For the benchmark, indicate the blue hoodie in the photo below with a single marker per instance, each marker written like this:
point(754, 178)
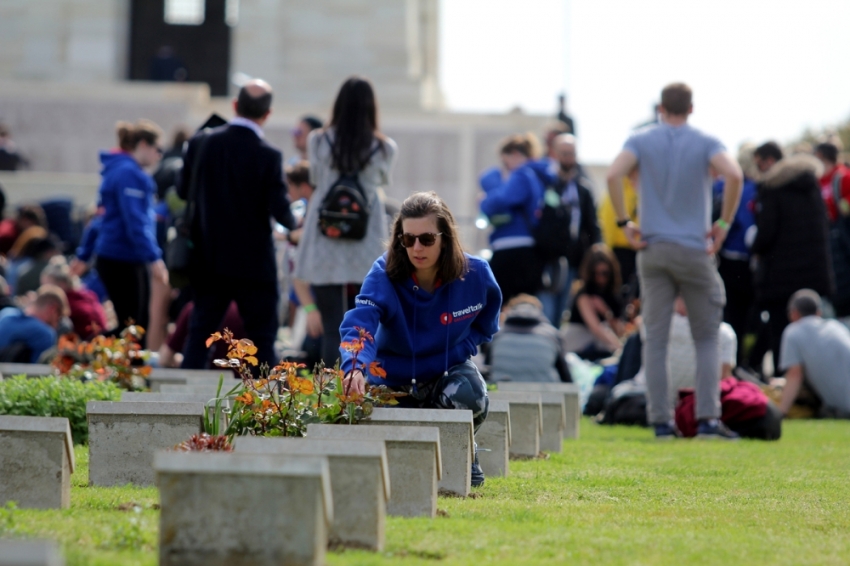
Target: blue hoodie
point(127, 230)
point(512, 206)
point(418, 334)
point(735, 246)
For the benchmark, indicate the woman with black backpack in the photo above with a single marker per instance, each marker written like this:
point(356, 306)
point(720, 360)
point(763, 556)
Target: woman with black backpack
point(345, 227)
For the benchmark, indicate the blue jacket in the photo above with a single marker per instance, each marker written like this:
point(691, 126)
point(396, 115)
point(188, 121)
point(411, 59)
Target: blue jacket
point(89, 238)
point(418, 334)
point(15, 327)
point(127, 231)
point(744, 219)
point(512, 206)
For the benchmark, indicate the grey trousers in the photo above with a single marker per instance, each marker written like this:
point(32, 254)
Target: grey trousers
point(665, 270)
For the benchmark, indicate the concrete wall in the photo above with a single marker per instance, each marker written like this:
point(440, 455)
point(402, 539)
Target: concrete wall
point(64, 40)
point(306, 48)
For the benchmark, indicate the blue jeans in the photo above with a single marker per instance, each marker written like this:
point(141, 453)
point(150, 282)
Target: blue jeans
point(462, 388)
point(555, 300)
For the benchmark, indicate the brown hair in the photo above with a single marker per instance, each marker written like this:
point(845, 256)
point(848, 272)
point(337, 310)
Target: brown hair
point(600, 253)
point(51, 295)
point(299, 173)
point(677, 99)
point(452, 263)
point(129, 135)
point(525, 144)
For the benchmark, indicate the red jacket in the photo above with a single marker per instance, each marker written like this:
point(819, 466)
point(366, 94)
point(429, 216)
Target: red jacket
point(826, 190)
point(86, 313)
point(739, 401)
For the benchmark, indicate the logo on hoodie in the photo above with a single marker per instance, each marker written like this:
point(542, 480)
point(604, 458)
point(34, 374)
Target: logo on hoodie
point(462, 314)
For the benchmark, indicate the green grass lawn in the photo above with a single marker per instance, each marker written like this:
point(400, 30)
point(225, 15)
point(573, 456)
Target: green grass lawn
point(613, 497)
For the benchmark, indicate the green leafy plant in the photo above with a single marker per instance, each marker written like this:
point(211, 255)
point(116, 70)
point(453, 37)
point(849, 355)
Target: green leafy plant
point(7, 519)
point(55, 396)
point(286, 398)
point(118, 359)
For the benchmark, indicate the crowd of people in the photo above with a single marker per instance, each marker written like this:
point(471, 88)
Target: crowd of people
point(684, 273)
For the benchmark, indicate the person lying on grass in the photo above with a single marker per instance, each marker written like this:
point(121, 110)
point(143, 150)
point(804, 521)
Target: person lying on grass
point(429, 306)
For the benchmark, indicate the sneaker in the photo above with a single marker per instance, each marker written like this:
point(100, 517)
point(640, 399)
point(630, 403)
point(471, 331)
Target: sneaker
point(667, 431)
point(715, 429)
point(477, 472)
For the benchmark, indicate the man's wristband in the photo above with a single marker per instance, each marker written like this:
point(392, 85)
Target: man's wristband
point(310, 308)
point(722, 223)
point(622, 223)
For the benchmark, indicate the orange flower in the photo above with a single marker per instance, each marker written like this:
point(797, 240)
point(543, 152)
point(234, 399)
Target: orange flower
point(246, 398)
point(364, 334)
point(215, 337)
point(353, 346)
point(266, 404)
point(300, 385)
point(376, 370)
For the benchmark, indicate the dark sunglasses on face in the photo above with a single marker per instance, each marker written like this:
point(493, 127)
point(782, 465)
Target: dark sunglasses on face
point(427, 239)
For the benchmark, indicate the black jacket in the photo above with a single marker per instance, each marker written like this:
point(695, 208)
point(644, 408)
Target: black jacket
point(588, 230)
point(240, 186)
point(792, 243)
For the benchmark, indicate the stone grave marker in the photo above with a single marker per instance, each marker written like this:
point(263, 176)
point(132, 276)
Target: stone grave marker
point(572, 407)
point(29, 370)
point(32, 552)
point(240, 509)
point(360, 482)
point(494, 440)
point(134, 397)
point(36, 461)
point(456, 440)
point(178, 376)
point(526, 421)
point(123, 437)
point(413, 458)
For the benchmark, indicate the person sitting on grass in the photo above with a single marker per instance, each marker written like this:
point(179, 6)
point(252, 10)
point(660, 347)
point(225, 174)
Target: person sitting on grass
point(26, 335)
point(528, 347)
point(429, 306)
point(815, 352)
point(595, 328)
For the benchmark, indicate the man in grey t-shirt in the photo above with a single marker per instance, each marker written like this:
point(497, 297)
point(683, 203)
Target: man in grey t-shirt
point(677, 243)
point(816, 351)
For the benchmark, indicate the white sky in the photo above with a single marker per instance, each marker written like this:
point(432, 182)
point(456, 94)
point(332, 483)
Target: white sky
point(760, 69)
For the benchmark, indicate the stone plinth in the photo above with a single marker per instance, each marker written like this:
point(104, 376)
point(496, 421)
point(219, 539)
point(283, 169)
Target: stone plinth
point(192, 389)
point(177, 376)
point(231, 509)
point(526, 421)
point(132, 397)
point(494, 439)
point(413, 458)
point(36, 462)
point(29, 370)
point(360, 482)
point(554, 423)
point(123, 437)
point(30, 553)
point(572, 407)
point(456, 440)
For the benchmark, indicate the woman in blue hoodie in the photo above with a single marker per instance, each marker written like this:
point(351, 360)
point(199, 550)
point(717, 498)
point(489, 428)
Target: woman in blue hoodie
point(512, 201)
point(126, 248)
point(429, 306)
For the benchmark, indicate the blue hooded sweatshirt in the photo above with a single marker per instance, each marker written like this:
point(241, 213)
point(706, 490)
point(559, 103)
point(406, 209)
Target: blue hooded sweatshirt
point(512, 206)
point(127, 230)
point(418, 334)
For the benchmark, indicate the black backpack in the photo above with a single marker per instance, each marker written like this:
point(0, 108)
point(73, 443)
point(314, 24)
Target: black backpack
point(552, 233)
point(344, 212)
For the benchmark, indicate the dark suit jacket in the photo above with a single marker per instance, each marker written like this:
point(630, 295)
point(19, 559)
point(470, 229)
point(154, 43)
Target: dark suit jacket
point(588, 231)
point(240, 186)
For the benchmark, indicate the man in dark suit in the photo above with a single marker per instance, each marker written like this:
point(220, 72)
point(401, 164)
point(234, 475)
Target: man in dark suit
point(240, 185)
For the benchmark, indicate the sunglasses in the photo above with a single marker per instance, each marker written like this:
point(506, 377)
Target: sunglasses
point(427, 239)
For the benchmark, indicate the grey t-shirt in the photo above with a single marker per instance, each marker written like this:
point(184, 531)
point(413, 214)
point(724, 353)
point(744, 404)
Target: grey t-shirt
point(675, 186)
point(822, 347)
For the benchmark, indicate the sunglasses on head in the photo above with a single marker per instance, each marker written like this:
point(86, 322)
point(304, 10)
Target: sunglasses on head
point(427, 239)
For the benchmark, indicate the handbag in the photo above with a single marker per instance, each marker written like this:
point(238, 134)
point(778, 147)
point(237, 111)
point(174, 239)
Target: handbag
point(178, 249)
point(839, 248)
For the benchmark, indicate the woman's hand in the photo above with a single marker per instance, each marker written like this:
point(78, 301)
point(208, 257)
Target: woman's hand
point(314, 324)
point(78, 267)
point(354, 383)
point(159, 272)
